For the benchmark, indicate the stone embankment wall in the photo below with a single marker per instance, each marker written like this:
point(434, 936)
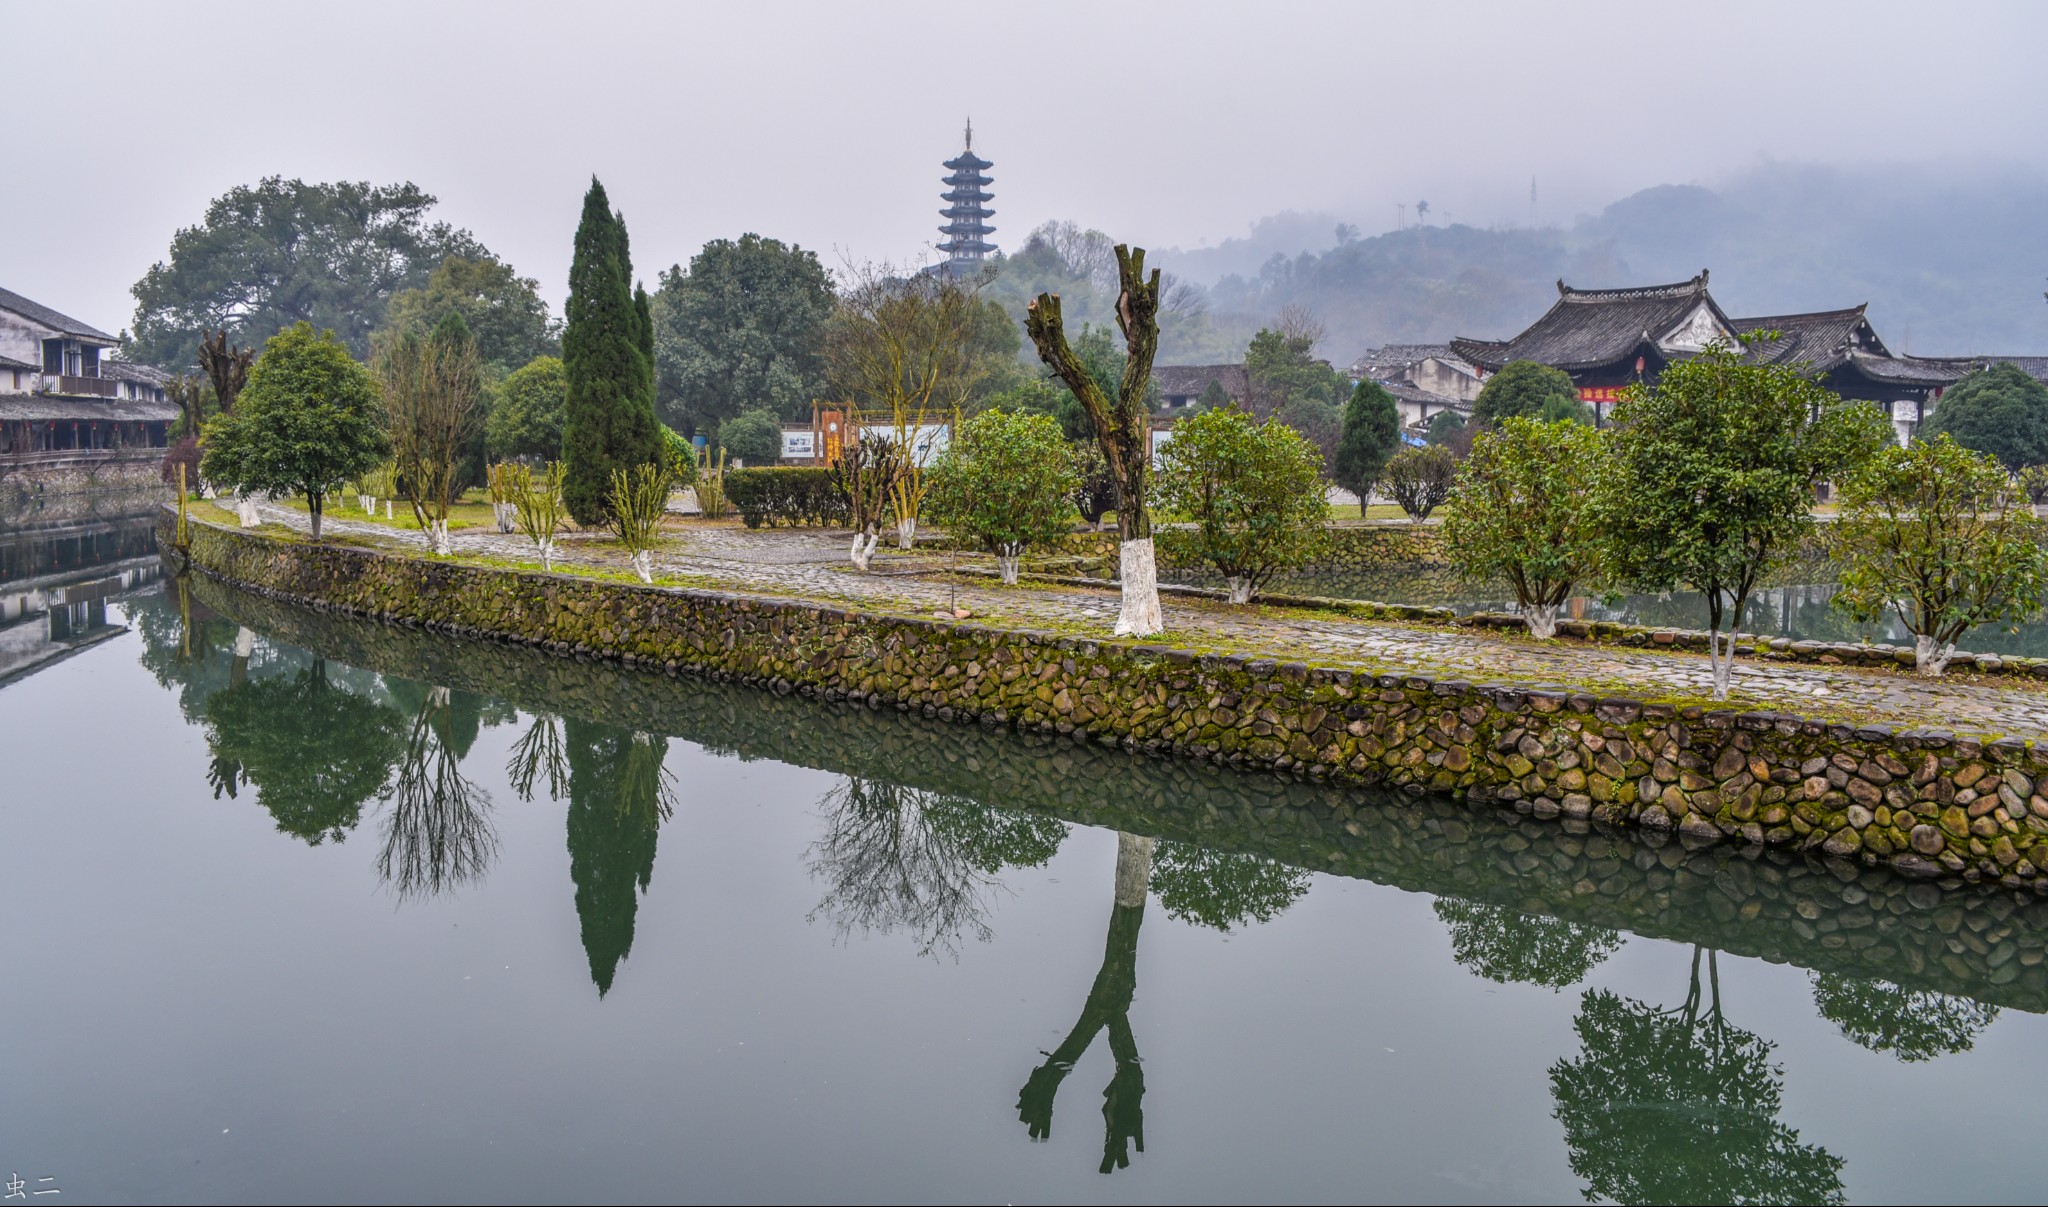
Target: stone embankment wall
point(1834, 916)
point(136, 470)
point(1927, 802)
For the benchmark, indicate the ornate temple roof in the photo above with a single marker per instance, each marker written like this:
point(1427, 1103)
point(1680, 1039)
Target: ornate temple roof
point(1587, 328)
point(967, 213)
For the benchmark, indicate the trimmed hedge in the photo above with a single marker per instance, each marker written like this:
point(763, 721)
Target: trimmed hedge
point(786, 494)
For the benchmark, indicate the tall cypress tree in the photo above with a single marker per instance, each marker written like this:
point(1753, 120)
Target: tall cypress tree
point(608, 422)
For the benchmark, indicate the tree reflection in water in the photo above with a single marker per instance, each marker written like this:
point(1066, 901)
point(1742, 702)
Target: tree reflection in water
point(896, 858)
point(1196, 884)
point(619, 794)
point(1505, 945)
point(1911, 1024)
point(437, 827)
point(1678, 1106)
point(314, 751)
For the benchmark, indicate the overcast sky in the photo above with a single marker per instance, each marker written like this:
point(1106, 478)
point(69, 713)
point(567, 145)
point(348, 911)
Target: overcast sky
point(1170, 124)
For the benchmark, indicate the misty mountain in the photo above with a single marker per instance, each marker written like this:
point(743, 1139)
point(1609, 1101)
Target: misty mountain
point(1951, 261)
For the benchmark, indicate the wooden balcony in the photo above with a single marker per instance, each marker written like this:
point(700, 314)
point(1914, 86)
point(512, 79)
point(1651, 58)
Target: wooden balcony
point(90, 387)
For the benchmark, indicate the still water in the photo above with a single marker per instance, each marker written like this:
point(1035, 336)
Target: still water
point(300, 908)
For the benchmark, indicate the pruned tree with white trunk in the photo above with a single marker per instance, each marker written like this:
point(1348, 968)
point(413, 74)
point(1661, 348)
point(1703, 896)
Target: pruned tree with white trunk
point(1942, 538)
point(1123, 426)
point(1521, 513)
point(1007, 483)
point(867, 472)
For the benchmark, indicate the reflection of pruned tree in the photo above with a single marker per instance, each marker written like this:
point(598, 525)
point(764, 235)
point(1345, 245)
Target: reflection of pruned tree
point(538, 752)
point(1108, 1007)
point(900, 858)
point(1506, 945)
point(1911, 1024)
point(619, 794)
point(437, 828)
point(313, 751)
point(1678, 1106)
point(1223, 889)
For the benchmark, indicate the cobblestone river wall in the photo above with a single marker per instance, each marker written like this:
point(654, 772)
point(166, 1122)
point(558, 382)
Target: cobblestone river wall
point(1928, 802)
point(1835, 916)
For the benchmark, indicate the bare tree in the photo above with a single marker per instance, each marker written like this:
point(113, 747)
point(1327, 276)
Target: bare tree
point(432, 396)
point(1298, 322)
point(437, 832)
point(226, 366)
point(1123, 427)
point(899, 348)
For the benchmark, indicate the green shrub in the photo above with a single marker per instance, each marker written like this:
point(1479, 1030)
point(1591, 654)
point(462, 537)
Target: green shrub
point(786, 494)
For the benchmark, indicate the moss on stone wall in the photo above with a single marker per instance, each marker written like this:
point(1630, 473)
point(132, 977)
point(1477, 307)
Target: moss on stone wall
point(1925, 801)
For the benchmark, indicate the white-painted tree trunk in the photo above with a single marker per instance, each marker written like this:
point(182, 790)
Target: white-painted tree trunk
point(863, 551)
point(1139, 570)
point(1931, 654)
point(387, 510)
point(1006, 565)
point(245, 643)
point(1721, 659)
point(245, 510)
point(366, 504)
point(1240, 588)
point(505, 514)
point(906, 533)
point(1541, 619)
point(437, 537)
point(547, 554)
point(1133, 869)
point(643, 565)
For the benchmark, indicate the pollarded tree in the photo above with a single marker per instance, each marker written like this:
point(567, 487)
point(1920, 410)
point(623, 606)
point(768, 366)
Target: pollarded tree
point(1372, 434)
point(1254, 491)
point(1123, 427)
point(1522, 512)
point(1420, 479)
point(1007, 483)
point(305, 424)
point(1523, 388)
point(609, 414)
point(1999, 410)
point(1712, 477)
point(1940, 537)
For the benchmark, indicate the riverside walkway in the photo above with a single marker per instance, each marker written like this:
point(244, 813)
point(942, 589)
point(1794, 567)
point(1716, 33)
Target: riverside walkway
point(812, 565)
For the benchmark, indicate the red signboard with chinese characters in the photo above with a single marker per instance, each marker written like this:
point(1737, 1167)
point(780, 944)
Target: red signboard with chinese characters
point(1600, 393)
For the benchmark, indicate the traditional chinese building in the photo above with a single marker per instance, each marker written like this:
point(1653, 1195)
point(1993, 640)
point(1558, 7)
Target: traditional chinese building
point(62, 393)
point(1608, 339)
point(967, 213)
point(1425, 380)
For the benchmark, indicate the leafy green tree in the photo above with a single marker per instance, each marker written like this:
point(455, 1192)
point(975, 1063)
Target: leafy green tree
point(1712, 478)
point(755, 437)
point(608, 420)
point(503, 311)
point(1319, 422)
point(1999, 410)
point(1223, 890)
point(1007, 482)
point(283, 252)
point(619, 794)
point(1510, 947)
point(306, 423)
point(1420, 479)
point(1678, 1106)
point(1523, 389)
point(1283, 369)
point(1912, 1024)
point(1938, 536)
point(1522, 511)
point(1254, 492)
point(313, 751)
point(1372, 434)
point(741, 329)
point(1446, 428)
point(526, 411)
point(1214, 397)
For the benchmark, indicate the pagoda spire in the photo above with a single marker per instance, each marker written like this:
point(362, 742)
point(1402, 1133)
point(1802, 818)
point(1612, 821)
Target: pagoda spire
point(967, 213)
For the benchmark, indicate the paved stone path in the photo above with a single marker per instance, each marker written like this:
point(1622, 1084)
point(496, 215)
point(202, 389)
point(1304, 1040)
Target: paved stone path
point(812, 564)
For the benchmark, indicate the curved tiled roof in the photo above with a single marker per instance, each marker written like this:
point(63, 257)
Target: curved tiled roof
point(1821, 341)
point(64, 324)
point(1189, 380)
point(1587, 328)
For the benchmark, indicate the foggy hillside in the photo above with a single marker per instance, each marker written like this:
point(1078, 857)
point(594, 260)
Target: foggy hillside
point(1950, 262)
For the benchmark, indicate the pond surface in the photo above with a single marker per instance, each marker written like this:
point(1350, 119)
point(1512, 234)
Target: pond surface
point(300, 908)
point(1802, 612)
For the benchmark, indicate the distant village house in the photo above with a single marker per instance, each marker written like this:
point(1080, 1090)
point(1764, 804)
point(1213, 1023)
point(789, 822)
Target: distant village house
point(61, 392)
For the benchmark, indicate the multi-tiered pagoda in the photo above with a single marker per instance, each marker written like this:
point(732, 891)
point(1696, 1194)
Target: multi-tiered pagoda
point(967, 211)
